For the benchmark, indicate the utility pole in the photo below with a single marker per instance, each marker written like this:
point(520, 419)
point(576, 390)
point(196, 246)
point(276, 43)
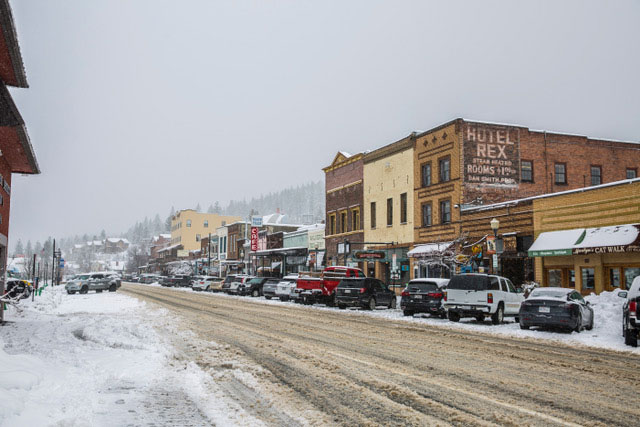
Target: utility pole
point(53, 265)
point(209, 256)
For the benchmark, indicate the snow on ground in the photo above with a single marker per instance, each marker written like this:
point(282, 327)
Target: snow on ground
point(96, 359)
point(606, 332)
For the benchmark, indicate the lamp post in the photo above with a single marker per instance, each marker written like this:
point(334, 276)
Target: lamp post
point(495, 225)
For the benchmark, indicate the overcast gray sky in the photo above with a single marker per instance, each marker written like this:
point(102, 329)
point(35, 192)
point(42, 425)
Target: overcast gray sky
point(135, 106)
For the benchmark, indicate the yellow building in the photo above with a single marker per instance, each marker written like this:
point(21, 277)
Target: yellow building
point(589, 238)
point(189, 226)
point(388, 205)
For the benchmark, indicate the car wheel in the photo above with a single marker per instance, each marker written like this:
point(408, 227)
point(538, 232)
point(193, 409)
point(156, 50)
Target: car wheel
point(98, 291)
point(112, 288)
point(284, 298)
point(371, 305)
point(523, 325)
point(590, 325)
point(453, 316)
point(255, 293)
point(517, 319)
point(342, 306)
point(480, 318)
point(71, 292)
point(407, 313)
point(267, 297)
point(578, 327)
point(498, 316)
point(393, 303)
point(83, 290)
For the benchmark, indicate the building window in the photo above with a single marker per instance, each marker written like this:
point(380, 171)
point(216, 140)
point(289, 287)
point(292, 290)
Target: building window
point(426, 174)
point(206, 223)
point(632, 173)
point(445, 211)
point(445, 169)
point(332, 224)
point(526, 171)
point(561, 173)
point(188, 223)
point(197, 237)
point(426, 215)
point(343, 222)
point(355, 219)
point(403, 208)
point(373, 214)
point(596, 175)
point(588, 278)
point(389, 212)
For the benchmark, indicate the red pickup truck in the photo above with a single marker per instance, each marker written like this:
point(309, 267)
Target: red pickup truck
point(321, 290)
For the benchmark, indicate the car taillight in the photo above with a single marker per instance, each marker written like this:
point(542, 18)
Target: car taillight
point(632, 308)
point(405, 293)
point(435, 295)
point(444, 295)
point(363, 290)
point(490, 298)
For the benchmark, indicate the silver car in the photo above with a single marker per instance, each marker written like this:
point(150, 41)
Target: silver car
point(100, 281)
point(286, 288)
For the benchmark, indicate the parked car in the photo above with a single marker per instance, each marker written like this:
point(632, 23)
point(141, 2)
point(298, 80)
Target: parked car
point(205, 283)
point(194, 279)
point(630, 321)
point(100, 281)
point(253, 287)
point(234, 288)
point(227, 282)
point(286, 288)
point(269, 288)
point(322, 290)
point(149, 278)
point(364, 292)
point(480, 295)
point(18, 288)
point(215, 284)
point(176, 281)
point(556, 307)
point(424, 296)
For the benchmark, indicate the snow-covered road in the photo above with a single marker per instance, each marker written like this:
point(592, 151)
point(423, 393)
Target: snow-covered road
point(111, 360)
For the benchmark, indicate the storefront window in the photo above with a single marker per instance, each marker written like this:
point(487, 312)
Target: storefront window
point(588, 278)
point(572, 278)
point(555, 277)
point(630, 274)
point(614, 277)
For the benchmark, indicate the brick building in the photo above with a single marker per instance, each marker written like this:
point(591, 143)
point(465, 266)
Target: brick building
point(17, 155)
point(344, 201)
point(462, 164)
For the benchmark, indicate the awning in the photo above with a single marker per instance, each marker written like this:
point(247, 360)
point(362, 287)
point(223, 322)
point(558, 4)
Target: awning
point(583, 241)
point(554, 243)
point(428, 249)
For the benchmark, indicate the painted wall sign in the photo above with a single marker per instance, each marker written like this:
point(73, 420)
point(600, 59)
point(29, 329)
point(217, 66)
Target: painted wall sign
point(491, 155)
point(369, 254)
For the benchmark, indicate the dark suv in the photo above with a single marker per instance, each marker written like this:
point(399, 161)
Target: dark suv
point(176, 281)
point(226, 283)
point(630, 313)
point(252, 287)
point(424, 296)
point(364, 292)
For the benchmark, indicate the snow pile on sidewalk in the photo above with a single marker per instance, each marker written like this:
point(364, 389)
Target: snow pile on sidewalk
point(95, 359)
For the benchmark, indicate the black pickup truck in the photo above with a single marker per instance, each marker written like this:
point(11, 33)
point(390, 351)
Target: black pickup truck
point(630, 318)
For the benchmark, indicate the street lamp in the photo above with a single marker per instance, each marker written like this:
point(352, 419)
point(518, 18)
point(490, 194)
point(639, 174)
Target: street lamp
point(495, 224)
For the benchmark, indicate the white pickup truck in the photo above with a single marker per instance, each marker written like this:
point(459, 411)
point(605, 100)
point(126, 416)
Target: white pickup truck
point(480, 295)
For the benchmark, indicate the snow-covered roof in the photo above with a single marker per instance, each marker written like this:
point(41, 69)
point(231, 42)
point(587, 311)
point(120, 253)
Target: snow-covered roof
point(556, 242)
point(428, 249)
point(168, 248)
point(117, 239)
point(609, 236)
point(344, 153)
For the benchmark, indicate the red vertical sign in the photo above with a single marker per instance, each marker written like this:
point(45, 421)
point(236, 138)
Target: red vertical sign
point(254, 239)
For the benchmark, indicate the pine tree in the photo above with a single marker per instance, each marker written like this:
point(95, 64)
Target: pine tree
point(19, 248)
point(103, 235)
point(217, 209)
point(167, 222)
point(198, 208)
point(211, 210)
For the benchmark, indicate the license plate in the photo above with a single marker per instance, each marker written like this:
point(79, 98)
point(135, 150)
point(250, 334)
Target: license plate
point(417, 296)
point(544, 310)
point(347, 291)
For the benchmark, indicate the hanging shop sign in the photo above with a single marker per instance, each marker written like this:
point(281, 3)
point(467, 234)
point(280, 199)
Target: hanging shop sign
point(369, 255)
point(254, 239)
point(491, 245)
point(491, 155)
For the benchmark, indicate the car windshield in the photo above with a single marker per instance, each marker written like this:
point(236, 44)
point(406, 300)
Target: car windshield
point(422, 287)
point(548, 293)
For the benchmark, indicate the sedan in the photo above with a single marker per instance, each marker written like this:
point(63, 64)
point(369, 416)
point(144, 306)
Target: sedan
point(556, 308)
